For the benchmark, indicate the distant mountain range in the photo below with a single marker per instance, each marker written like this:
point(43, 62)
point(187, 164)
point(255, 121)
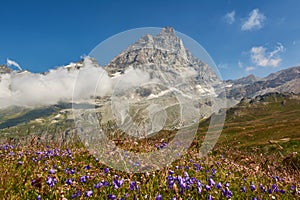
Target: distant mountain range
point(284, 81)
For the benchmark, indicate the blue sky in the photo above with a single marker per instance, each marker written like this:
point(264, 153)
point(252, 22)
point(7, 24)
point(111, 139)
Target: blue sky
point(242, 37)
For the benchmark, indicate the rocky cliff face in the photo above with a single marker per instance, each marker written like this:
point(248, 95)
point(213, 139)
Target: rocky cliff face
point(164, 57)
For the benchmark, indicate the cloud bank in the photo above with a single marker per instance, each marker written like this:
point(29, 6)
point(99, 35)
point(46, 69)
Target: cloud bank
point(30, 90)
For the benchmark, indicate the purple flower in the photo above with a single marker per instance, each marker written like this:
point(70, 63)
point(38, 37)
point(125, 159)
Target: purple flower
point(171, 172)
point(158, 197)
point(133, 185)
point(252, 187)
point(111, 197)
point(211, 182)
point(197, 167)
point(199, 187)
point(83, 179)
point(186, 175)
point(98, 185)
point(293, 187)
point(106, 170)
point(78, 194)
point(270, 191)
point(282, 191)
point(51, 181)
point(117, 183)
point(210, 197)
point(51, 171)
point(69, 181)
point(262, 188)
point(38, 197)
point(214, 171)
point(207, 187)
point(20, 163)
point(88, 193)
point(105, 183)
point(72, 171)
point(87, 167)
point(275, 188)
point(243, 189)
point(219, 185)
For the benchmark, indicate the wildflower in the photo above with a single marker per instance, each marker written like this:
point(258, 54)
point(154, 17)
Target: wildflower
point(275, 188)
point(252, 187)
point(117, 183)
point(214, 171)
point(270, 191)
point(211, 182)
point(111, 197)
point(262, 188)
point(98, 185)
point(51, 181)
point(219, 185)
point(105, 183)
point(69, 181)
point(88, 193)
point(51, 171)
point(87, 167)
point(207, 187)
point(199, 187)
point(77, 194)
point(83, 179)
point(38, 197)
point(243, 189)
point(197, 167)
point(133, 185)
point(186, 175)
point(293, 187)
point(210, 197)
point(158, 197)
point(20, 163)
point(106, 170)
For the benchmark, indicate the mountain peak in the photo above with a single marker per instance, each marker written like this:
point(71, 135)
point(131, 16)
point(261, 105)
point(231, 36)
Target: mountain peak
point(168, 30)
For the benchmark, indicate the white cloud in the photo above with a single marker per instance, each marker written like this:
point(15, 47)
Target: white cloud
point(230, 17)
point(254, 21)
point(261, 57)
point(13, 63)
point(240, 64)
point(223, 66)
point(248, 69)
